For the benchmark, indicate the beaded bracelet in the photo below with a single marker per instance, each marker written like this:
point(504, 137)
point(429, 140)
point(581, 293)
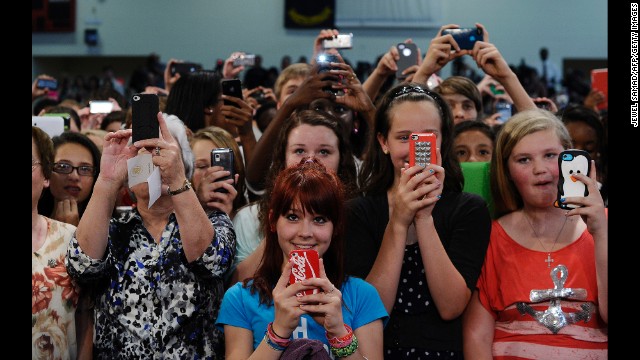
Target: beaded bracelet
point(272, 344)
point(347, 350)
point(341, 342)
point(275, 338)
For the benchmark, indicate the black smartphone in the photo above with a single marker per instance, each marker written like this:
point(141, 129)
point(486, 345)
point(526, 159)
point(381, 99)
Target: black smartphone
point(232, 87)
point(144, 116)
point(465, 37)
point(184, 68)
point(223, 157)
point(51, 84)
point(408, 57)
point(572, 162)
point(324, 61)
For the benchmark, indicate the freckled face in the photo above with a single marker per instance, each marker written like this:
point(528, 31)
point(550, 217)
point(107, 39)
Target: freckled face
point(533, 167)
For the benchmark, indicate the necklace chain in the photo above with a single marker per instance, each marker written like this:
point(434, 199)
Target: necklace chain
point(549, 259)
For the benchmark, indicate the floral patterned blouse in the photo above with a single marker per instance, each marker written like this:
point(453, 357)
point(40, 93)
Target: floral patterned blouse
point(54, 296)
point(151, 303)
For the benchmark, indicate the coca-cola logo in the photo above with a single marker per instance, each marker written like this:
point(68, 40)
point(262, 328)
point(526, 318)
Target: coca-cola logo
point(300, 264)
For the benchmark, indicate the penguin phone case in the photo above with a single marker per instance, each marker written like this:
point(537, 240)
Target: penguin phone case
point(306, 264)
point(422, 147)
point(571, 162)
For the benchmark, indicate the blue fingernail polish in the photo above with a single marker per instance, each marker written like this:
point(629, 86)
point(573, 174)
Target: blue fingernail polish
point(423, 165)
point(439, 196)
point(562, 200)
point(431, 171)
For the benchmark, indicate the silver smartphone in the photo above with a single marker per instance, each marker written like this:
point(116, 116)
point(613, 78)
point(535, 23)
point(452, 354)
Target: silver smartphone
point(223, 157)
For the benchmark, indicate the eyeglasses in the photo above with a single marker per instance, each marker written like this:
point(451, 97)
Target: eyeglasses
point(34, 164)
point(408, 89)
point(64, 168)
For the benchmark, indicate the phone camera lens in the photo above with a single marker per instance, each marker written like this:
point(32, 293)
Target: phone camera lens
point(136, 98)
point(406, 52)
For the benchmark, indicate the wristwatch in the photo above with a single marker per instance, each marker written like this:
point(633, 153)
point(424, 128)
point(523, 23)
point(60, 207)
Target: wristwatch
point(186, 186)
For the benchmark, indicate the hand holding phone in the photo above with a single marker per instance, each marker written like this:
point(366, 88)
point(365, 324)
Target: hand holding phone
point(572, 162)
point(324, 61)
point(223, 157)
point(305, 264)
point(465, 37)
point(422, 149)
point(408, 57)
point(144, 116)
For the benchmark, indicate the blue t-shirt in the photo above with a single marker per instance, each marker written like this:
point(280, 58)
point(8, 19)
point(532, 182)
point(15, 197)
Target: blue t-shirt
point(242, 309)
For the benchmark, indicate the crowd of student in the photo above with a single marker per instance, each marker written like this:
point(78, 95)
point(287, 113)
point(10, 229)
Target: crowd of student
point(184, 264)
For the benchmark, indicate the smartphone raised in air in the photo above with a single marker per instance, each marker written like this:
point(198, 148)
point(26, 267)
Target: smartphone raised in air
point(465, 37)
point(144, 121)
point(232, 87)
point(408, 57)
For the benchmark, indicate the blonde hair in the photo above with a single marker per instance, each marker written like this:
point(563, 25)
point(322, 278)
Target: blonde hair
point(505, 195)
point(293, 71)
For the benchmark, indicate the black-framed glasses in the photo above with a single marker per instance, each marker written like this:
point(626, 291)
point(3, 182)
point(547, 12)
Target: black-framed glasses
point(408, 89)
point(34, 163)
point(64, 168)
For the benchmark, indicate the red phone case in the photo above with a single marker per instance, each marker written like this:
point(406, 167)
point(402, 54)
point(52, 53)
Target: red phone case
point(422, 147)
point(600, 81)
point(306, 265)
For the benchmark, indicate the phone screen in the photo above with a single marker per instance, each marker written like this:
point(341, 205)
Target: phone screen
point(144, 116)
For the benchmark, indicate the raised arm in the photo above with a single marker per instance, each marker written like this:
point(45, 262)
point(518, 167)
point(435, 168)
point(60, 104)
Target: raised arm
point(492, 63)
point(93, 229)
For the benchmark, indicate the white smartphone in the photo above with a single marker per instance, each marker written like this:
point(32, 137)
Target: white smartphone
point(52, 125)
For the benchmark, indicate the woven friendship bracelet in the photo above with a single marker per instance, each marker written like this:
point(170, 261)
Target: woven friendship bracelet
point(345, 351)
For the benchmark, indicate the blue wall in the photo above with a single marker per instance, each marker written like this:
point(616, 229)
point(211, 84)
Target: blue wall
point(204, 30)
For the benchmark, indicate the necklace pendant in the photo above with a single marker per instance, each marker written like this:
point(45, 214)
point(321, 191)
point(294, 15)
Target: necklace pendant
point(549, 260)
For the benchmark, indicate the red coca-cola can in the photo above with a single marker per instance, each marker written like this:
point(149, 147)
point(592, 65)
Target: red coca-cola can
point(305, 265)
